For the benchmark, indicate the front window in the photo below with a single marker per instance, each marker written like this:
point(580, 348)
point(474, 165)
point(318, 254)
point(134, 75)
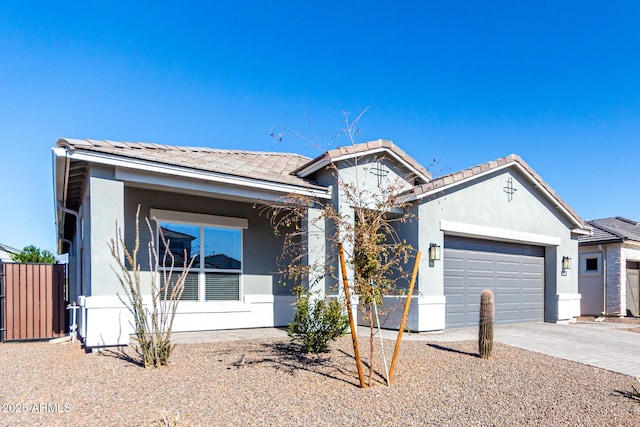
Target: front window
point(215, 274)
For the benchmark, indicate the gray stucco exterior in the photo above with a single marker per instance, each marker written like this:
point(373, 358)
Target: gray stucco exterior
point(482, 209)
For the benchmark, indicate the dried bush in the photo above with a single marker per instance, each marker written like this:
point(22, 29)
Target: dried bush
point(152, 323)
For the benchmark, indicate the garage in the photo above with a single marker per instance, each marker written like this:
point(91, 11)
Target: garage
point(513, 271)
point(633, 288)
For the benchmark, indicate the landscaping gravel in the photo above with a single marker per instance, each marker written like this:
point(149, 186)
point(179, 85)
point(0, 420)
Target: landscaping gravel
point(435, 384)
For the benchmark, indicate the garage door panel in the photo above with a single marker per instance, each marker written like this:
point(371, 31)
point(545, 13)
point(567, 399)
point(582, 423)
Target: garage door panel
point(514, 272)
point(507, 282)
point(508, 267)
point(453, 264)
point(479, 282)
point(479, 265)
point(533, 269)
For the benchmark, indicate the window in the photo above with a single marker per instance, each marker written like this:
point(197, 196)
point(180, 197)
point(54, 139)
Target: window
point(215, 244)
point(590, 264)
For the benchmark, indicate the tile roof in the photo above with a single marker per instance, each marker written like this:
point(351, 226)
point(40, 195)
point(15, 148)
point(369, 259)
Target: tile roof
point(356, 149)
point(266, 166)
point(453, 178)
point(615, 229)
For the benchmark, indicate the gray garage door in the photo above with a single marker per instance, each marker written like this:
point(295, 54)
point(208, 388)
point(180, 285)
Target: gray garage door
point(514, 272)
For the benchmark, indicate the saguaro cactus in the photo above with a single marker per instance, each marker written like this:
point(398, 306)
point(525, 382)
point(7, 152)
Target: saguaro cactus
point(485, 335)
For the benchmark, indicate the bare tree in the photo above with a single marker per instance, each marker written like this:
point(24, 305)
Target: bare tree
point(367, 231)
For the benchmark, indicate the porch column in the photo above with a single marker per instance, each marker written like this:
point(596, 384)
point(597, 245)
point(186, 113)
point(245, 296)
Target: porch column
point(316, 250)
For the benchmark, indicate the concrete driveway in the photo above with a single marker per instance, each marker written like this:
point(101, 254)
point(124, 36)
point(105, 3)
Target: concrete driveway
point(603, 345)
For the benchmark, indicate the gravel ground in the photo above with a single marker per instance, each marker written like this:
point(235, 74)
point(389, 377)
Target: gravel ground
point(435, 384)
point(633, 321)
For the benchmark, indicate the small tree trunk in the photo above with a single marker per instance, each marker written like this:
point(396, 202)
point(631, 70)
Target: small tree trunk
point(371, 344)
point(485, 335)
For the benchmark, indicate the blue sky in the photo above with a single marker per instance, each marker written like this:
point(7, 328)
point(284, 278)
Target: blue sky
point(461, 82)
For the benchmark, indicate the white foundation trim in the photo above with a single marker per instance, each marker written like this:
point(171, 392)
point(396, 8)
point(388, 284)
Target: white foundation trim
point(568, 307)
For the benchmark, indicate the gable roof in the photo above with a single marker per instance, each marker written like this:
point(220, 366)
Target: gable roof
point(9, 249)
point(512, 160)
point(265, 166)
point(358, 150)
point(612, 230)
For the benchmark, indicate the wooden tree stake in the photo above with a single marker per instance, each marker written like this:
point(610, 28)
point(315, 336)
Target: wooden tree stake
point(354, 336)
point(396, 352)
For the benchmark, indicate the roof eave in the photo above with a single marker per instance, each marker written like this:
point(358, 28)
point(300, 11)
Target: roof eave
point(150, 166)
point(325, 160)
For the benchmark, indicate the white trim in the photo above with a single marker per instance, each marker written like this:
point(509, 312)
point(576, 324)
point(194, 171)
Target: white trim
point(582, 231)
point(472, 230)
point(324, 162)
point(199, 219)
point(526, 173)
point(149, 166)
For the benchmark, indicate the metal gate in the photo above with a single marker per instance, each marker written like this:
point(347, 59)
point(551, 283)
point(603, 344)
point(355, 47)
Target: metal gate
point(32, 301)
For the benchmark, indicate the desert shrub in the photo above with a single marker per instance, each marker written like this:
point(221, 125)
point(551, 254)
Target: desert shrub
point(317, 321)
point(152, 323)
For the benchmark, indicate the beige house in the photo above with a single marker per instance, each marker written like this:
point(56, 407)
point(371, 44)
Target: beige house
point(609, 268)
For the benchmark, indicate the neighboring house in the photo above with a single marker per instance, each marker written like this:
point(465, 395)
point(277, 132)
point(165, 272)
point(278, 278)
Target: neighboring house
point(609, 268)
point(6, 252)
point(496, 226)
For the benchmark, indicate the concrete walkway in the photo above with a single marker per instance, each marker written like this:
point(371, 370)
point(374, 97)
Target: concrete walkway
point(603, 345)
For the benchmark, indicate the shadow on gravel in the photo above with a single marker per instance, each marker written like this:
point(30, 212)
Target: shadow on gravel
point(289, 358)
point(365, 365)
point(119, 353)
point(627, 394)
point(452, 350)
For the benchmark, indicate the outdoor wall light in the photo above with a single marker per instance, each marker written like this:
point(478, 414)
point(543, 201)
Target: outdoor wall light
point(434, 252)
point(566, 263)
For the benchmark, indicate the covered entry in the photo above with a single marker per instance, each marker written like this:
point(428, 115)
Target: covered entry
point(513, 271)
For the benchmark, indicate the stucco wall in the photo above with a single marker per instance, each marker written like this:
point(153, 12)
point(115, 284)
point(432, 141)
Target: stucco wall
point(483, 207)
point(106, 207)
point(591, 283)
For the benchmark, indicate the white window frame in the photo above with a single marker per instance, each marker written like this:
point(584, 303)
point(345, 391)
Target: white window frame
point(202, 221)
point(583, 263)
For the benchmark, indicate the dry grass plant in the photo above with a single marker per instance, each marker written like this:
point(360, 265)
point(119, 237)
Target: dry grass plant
point(152, 323)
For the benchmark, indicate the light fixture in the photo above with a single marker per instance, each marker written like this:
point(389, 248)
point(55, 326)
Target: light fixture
point(566, 263)
point(434, 252)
